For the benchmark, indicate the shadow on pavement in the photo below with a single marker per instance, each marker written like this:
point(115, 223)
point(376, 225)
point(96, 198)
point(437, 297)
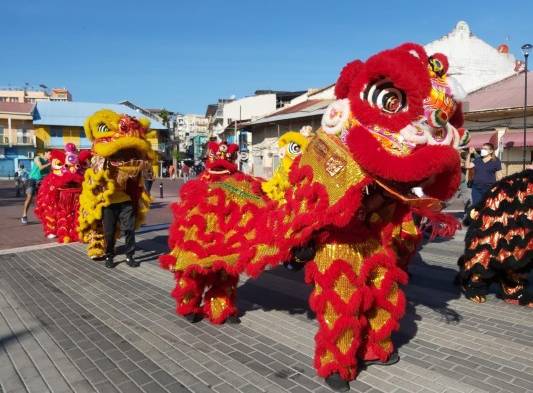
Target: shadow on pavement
point(430, 286)
point(5, 340)
point(255, 294)
point(434, 291)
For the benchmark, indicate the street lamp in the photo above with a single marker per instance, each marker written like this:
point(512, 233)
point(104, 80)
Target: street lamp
point(525, 50)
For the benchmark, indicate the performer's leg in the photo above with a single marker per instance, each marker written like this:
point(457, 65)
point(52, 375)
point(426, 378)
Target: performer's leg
point(388, 307)
point(475, 287)
point(514, 289)
point(109, 221)
point(336, 299)
point(219, 300)
point(188, 292)
point(95, 239)
point(127, 225)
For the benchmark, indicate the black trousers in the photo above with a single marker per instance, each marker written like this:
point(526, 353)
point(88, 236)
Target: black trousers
point(119, 212)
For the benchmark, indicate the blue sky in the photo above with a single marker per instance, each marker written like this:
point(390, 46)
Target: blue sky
point(183, 55)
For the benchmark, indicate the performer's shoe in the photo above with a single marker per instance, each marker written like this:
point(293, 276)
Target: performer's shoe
point(338, 384)
point(109, 262)
point(233, 320)
point(98, 258)
point(193, 317)
point(130, 260)
point(393, 359)
point(51, 236)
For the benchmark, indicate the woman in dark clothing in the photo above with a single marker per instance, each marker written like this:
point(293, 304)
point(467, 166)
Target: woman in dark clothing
point(487, 170)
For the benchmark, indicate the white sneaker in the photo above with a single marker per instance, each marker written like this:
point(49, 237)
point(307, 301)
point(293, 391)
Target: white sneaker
point(51, 236)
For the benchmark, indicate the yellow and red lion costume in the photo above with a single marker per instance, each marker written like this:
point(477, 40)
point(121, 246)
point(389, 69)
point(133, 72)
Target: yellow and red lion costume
point(57, 201)
point(121, 152)
point(394, 126)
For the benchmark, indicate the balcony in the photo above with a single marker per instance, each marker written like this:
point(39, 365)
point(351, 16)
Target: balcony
point(28, 140)
point(18, 137)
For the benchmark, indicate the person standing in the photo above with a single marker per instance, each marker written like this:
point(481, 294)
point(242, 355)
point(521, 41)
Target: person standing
point(21, 180)
point(487, 170)
point(172, 171)
point(185, 170)
point(40, 168)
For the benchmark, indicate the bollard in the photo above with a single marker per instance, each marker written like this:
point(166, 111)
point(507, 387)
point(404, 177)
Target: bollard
point(161, 190)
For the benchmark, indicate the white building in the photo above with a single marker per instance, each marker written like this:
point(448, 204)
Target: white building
point(473, 62)
point(248, 108)
point(188, 126)
point(32, 95)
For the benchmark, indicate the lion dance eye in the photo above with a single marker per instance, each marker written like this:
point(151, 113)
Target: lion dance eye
point(294, 149)
point(385, 96)
point(102, 127)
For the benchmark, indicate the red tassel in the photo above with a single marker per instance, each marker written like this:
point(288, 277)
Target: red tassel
point(442, 224)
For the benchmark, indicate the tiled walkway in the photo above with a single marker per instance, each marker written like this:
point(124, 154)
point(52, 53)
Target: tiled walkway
point(68, 324)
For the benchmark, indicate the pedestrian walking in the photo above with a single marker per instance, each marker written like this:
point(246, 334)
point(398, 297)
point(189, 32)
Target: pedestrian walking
point(40, 168)
point(487, 170)
point(172, 171)
point(186, 171)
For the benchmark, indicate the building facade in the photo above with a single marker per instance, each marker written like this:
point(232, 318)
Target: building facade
point(495, 114)
point(17, 137)
point(58, 123)
point(32, 95)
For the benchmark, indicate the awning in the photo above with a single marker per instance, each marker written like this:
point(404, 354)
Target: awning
point(515, 138)
point(478, 138)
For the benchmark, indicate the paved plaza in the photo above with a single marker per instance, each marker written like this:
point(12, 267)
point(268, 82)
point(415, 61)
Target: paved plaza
point(67, 324)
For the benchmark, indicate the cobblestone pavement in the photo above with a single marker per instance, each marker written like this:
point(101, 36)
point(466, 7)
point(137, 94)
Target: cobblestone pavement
point(68, 324)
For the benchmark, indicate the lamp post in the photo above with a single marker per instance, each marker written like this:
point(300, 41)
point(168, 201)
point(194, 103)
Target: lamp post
point(525, 50)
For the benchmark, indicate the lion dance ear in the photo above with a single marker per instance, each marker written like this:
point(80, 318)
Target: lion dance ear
point(348, 73)
point(145, 122)
point(416, 51)
point(84, 155)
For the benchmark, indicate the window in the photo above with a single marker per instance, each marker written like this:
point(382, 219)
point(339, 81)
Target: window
point(4, 140)
point(56, 132)
point(22, 137)
point(56, 137)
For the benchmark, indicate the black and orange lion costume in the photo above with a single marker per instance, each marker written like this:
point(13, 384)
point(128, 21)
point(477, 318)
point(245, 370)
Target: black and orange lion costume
point(394, 127)
point(499, 242)
point(58, 199)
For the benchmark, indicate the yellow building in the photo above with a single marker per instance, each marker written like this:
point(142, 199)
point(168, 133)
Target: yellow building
point(17, 137)
point(58, 123)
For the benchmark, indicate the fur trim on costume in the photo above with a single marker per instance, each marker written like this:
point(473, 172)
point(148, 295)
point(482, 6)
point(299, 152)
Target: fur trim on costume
point(121, 155)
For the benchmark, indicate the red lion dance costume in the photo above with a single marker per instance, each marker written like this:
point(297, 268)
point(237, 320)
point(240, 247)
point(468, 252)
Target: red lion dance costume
point(393, 127)
point(57, 202)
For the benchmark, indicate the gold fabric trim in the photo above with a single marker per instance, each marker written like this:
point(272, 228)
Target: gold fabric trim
point(330, 315)
point(353, 253)
point(345, 340)
point(344, 288)
point(332, 164)
point(377, 317)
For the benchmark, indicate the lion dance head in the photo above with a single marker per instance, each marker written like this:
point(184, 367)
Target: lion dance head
point(400, 116)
